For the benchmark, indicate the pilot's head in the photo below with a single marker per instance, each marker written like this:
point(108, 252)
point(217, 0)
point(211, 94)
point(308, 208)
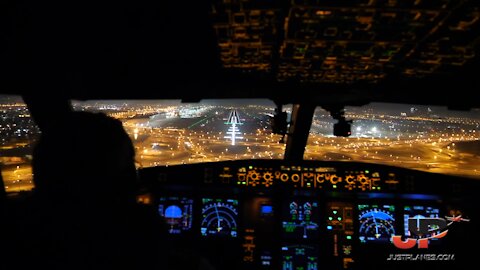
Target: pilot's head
point(88, 158)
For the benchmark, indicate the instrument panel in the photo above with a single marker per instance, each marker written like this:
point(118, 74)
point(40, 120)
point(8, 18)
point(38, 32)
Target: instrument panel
point(267, 214)
point(376, 222)
point(219, 217)
point(177, 213)
point(300, 218)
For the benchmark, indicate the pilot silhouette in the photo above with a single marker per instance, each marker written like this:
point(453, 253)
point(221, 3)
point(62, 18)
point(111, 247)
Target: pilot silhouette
point(85, 184)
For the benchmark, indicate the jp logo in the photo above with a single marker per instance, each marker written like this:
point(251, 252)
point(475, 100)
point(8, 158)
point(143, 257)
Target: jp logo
point(425, 229)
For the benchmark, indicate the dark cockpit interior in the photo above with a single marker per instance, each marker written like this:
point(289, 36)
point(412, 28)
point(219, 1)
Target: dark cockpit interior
point(250, 134)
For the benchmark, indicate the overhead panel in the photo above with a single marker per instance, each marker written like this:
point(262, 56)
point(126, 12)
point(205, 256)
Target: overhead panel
point(342, 42)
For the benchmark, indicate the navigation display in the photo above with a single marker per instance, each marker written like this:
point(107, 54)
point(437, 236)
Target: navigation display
point(300, 219)
point(219, 217)
point(377, 222)
point(177, 212)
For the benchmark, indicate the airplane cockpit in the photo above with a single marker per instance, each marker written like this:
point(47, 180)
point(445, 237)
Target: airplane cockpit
point(283, 135)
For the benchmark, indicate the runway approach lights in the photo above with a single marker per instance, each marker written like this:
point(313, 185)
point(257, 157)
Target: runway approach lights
point(233, 132)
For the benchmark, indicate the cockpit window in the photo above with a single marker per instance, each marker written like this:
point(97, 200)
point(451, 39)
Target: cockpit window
point(171, 132)
point(426, 138)
point(18, 134)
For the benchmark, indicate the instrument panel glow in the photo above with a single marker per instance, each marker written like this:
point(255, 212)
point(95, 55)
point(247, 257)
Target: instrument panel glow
point(219, 217)
point(296, 257)
point(307, 178)
point(418, 211)
point(301, 220)
point(377, 222)
point(177, 212)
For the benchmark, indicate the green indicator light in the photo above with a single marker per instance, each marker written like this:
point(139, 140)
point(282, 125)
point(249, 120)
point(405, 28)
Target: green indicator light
point(367, 171)
point(334, 186)
point(339, 218)
point(335, 212)
point(349, 237)
point(330, 218)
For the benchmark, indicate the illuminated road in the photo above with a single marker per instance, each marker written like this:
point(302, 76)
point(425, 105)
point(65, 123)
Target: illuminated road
point(209, 141)
point(17, 177)
point(420, 155)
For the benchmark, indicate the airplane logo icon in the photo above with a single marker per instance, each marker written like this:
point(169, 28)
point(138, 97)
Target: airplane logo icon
point(455, 219)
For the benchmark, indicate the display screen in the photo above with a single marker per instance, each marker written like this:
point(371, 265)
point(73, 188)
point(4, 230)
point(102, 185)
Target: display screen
point(296, 257)
point(266, 210)
point(177, 212)
point(418, 212)
point(300, 218)
point(377, 222)
point(219, 217)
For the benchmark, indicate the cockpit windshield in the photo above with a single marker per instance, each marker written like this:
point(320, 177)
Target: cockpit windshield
point(171, 132)
point(428, 138)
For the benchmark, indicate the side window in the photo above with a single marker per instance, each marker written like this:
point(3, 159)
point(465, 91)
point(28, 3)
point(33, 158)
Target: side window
point(18, 134)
